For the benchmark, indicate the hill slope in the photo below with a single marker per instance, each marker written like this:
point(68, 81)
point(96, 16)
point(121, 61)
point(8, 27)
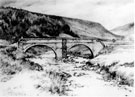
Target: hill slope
point(17, 23)
point(127, 31)
point(87, 29)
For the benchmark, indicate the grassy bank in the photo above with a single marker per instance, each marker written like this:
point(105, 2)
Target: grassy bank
point(15, 66)
point(117, 65)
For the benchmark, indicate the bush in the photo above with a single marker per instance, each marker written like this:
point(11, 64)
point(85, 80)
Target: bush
point(9, 69)
point(58, 79)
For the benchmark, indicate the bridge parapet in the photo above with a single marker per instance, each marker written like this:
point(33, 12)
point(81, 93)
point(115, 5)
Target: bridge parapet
point(60, 45)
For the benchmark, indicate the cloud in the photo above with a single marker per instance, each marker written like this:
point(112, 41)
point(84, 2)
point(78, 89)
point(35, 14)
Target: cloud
point(112, 16)
point(7, 2)
point(110, 13)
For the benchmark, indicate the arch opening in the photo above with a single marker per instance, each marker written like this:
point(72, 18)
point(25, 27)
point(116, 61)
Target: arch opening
point(81, 50)
point(40, 50)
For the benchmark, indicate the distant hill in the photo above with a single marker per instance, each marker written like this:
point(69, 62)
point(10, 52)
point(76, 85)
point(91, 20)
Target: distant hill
point(17, 23)
point(127, 31)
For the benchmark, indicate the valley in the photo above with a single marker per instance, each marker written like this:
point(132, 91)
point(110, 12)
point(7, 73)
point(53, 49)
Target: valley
point(38, 73)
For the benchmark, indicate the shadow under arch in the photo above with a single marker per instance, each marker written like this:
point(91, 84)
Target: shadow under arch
point(28, 48)
point(92, 55)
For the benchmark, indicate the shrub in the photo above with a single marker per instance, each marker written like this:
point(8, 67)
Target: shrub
point(58, 80)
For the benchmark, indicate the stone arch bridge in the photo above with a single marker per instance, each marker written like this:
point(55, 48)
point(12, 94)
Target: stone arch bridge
point(60, 46)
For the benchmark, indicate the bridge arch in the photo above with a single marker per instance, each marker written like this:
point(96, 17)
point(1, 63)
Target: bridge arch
point(29, 47)
point(75, 45)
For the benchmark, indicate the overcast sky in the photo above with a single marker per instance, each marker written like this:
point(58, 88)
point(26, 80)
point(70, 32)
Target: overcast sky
point(110, 13)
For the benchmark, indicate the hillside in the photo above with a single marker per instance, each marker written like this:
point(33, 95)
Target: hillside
point(87, 29)
point(17, 23)
point(127, 31)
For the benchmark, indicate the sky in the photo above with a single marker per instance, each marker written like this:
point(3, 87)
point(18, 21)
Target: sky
point(109, 13)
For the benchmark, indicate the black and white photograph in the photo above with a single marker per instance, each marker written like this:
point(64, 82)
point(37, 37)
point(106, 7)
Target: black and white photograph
point(67, 48)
